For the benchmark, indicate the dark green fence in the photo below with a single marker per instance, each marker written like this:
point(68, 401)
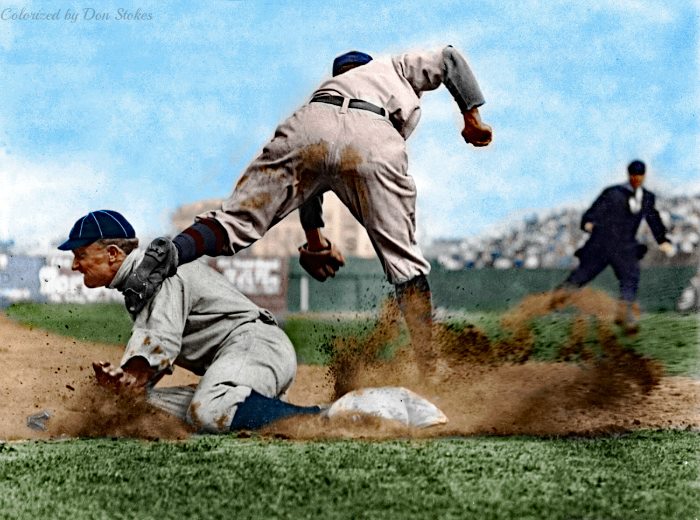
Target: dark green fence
point(360, 286)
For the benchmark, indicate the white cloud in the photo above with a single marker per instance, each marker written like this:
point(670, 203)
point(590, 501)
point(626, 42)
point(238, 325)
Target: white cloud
point(147, 136)
point(41, 199)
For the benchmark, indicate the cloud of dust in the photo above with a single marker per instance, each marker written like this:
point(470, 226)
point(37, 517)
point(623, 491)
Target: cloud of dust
point(483, 385)
point(487, 386)
point(95, 411)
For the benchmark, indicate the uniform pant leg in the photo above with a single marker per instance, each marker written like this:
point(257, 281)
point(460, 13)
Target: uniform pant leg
point(289, 171)
point(372, 181)
point(172, 399)
point(258, 357)
point(625, 264)
point(592, 261)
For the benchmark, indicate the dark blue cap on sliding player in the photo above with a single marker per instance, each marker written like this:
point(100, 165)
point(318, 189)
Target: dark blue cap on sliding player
point(103, 223)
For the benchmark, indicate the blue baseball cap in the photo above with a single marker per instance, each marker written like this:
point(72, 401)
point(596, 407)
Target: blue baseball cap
point(352, 57)
point(103, 223)
point(636, 168)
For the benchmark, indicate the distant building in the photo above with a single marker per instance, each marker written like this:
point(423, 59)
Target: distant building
point(285, 238)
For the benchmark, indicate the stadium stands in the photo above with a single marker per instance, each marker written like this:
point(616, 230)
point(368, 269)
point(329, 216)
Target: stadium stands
point(550, 241)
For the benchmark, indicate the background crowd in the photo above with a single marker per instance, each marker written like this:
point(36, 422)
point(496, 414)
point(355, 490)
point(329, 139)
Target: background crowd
point(550, 240)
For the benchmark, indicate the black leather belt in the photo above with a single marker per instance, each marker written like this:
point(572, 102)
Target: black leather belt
point(354, 103)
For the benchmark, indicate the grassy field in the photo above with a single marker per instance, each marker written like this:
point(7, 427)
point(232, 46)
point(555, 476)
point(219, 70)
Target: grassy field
point(650, 475)
point(644, 475)
point(669, 337)
point(103, 322)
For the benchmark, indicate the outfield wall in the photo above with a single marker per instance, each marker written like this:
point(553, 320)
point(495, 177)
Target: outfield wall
point(361, 286)
point(50, 279)
point(282, 286)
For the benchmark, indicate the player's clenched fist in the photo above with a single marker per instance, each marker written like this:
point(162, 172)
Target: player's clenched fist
point(475, 131)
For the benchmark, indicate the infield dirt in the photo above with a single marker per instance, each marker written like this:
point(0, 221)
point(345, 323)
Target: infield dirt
point(483, 386)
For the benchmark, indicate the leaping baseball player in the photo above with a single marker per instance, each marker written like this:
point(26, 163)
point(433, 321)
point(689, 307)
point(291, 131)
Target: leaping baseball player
point(350, 139)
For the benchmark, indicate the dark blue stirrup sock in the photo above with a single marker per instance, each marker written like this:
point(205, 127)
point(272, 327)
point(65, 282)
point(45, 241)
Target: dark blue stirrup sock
point(258, 411)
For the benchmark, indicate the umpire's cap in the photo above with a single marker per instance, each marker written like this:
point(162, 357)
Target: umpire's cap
point(636, 167)
point(350, 58)
point(103, 223)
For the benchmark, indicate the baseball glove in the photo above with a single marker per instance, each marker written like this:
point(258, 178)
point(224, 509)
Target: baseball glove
point(159, 262)
point(321, 264)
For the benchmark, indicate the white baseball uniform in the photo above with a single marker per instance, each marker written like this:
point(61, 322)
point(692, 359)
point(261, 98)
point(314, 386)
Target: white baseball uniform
point(201, 322)
point(356, 153)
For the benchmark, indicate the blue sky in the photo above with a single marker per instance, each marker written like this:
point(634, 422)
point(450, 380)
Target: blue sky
point(142, 116)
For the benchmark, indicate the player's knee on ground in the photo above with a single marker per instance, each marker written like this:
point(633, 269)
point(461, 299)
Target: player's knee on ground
point(212, 409)
point(244, 409)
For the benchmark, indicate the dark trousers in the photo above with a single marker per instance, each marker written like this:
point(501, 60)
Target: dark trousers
point(593, 258)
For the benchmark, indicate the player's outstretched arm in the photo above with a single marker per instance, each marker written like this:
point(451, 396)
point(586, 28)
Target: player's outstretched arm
point(163, 256)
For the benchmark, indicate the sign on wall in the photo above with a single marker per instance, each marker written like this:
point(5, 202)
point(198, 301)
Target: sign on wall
point(263, 280)
point(51, 279)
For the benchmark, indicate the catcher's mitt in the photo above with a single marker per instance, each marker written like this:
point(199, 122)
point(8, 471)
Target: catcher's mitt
point(321, 264)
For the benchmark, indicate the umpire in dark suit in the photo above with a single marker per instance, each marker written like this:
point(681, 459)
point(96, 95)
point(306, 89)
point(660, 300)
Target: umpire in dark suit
point(613, 221)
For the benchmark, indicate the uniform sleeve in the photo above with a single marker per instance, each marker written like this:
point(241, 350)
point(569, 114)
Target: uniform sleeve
point(596, 213)
point(157, 331)
point(460, 80)
point(311, 213)
point(428, 70)
point(654, 220)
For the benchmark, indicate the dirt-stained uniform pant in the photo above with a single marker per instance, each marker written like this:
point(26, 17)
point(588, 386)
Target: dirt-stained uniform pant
point(354, 153)
point(258, 356)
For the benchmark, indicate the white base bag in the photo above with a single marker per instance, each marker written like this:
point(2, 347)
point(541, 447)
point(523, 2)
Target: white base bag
point(389, 402)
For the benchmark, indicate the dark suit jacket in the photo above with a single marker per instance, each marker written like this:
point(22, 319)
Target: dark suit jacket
point(614, 224)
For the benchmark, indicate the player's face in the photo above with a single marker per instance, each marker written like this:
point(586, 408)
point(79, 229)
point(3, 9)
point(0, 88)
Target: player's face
point(636, 181)
point(94, 262)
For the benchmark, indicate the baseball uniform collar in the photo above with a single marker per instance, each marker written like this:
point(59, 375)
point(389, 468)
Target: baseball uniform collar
point(128, 265)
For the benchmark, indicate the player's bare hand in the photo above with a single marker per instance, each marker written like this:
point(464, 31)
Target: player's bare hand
point(588, 227)
point(476, 132)
point(668, 249)
point(321, 264)
point(113, 377)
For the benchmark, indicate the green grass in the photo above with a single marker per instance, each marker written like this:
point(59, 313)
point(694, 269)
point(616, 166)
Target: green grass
point(312, 337)
point(669, 337)
point(103, 322)
point(672, 339)
point(646, 475)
